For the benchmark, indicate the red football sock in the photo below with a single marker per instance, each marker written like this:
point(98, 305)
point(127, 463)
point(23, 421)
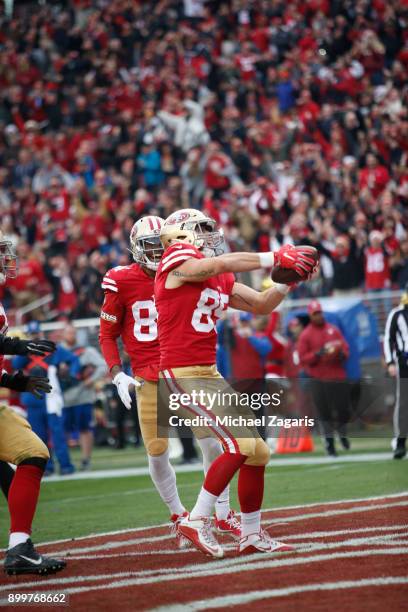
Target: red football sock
point(23, 497)
point(221, 472)
point(251, 487)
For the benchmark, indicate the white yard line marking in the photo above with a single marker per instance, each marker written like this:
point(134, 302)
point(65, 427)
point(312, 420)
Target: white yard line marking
point(290, 519)
point(151, 553)
point(340, 501)
point(301, 536)
point(340, 511)
point(378, 540)
point(197, 467)
point(328, 534)
point(265, 511)
point(245, 598)
point(303, 547)
point(218, 568)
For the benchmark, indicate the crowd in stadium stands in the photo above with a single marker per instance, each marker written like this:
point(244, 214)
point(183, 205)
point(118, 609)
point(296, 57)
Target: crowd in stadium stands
point(285, 120)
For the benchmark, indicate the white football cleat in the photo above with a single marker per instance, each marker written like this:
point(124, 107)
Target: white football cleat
point(199, 532)
point(176, 519)
point(261, 542)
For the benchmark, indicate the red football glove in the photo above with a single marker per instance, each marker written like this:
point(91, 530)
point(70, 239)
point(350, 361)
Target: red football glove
point(294, 258)
point(309, 253)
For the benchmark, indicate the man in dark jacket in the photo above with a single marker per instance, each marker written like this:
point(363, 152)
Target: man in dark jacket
point(348, 264)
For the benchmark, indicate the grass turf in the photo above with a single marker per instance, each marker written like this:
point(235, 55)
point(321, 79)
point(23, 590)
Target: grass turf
point(69, 509)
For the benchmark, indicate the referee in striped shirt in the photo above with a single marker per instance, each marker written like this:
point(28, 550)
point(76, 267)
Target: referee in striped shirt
point(396, 357)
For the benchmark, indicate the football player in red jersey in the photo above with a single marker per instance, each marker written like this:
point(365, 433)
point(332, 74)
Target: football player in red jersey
point(20, 445)
point(193, 286)
point(129, 312)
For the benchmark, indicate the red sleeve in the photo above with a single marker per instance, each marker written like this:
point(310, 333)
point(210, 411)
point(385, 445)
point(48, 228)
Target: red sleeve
point(307, 356)
point(111, 328)
point(229, 282)
point(178, 254)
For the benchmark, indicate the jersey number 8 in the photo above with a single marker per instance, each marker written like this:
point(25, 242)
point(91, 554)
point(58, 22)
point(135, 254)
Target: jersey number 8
point(145, 327)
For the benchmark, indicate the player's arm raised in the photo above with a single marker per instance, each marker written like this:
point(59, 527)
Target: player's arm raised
point(257, 302)
point(196, 270)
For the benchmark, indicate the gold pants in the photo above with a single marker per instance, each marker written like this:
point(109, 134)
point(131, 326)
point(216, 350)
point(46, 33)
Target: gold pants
point(243, 439)
point(147, 411)
point(17, 440)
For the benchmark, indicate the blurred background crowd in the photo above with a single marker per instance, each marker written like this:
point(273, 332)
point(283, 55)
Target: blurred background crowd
point(285, 120)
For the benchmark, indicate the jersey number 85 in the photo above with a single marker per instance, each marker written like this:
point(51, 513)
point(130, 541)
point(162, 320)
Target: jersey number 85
point(209, 308)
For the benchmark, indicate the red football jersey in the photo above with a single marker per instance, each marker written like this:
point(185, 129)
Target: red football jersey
point(188, 314)
point(129, 312)
point(377, 270)
point(3, 330)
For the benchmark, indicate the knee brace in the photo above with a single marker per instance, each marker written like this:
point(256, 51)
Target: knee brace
point(261, 454)
point(157, 446)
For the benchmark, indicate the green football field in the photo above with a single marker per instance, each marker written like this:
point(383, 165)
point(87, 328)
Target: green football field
point(72, 508)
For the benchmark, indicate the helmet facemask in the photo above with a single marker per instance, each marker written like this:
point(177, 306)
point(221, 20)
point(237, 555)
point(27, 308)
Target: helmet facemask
point(147, 251)
point(209, 240)
point(8, 261)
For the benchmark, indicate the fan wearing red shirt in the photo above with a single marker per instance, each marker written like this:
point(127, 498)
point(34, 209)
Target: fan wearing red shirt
point(129, 313)
point(377, 270)
point(193, 287)
point(374, 177)
point(246, 62)
point(217, 169)
point(59, 200)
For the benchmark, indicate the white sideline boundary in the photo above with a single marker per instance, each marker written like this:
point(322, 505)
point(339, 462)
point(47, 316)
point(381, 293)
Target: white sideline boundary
point(245, 598)
point(197, 467)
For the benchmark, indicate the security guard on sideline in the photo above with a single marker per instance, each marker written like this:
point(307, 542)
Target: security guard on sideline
point(396, 357)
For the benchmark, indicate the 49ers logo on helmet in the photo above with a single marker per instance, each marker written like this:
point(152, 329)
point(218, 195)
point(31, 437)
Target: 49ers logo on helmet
point(178, 217)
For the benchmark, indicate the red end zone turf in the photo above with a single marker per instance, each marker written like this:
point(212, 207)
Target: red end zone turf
point(347, 552)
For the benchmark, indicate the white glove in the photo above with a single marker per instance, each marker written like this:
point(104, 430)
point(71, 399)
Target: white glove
point(123, 382)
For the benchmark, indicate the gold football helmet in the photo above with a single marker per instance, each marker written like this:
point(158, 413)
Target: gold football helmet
point(192, 226)
point(145, 244)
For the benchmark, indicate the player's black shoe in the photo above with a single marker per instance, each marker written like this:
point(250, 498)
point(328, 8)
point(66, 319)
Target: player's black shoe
point(345, 442)
point(400, 450)
point(330, 448)
point(24, 559)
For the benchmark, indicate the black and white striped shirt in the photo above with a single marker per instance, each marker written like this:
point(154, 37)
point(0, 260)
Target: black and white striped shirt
point(396, 334)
